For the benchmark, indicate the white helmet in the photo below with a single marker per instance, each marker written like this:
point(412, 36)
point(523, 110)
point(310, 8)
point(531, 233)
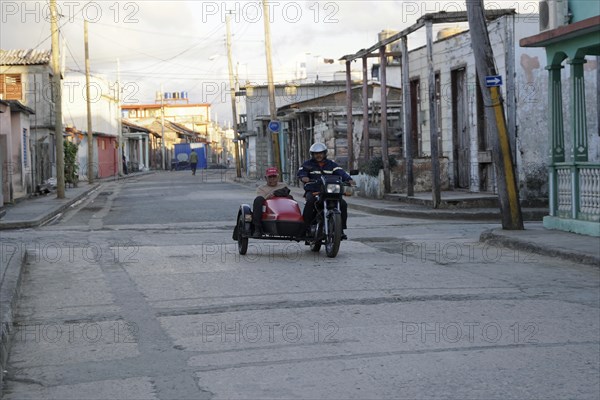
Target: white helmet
point(318, 148)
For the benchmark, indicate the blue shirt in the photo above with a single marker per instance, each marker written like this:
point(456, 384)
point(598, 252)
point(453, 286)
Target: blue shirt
point(313, 170)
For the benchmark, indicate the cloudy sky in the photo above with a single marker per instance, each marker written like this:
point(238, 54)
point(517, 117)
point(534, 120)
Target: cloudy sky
point(180, 45)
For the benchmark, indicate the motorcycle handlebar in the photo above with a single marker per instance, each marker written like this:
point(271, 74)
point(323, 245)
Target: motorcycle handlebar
point(313, 181)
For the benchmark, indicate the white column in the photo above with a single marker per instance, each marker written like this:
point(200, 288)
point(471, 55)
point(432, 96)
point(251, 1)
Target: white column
point(140, 156)
point(146, 148)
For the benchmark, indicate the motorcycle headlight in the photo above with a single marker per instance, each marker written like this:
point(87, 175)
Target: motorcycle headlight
point(334, 188)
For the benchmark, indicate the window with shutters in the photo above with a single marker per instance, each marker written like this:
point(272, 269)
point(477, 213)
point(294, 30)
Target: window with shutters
point(11, 87)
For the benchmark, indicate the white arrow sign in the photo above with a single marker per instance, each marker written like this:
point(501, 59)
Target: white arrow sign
point(493, 80)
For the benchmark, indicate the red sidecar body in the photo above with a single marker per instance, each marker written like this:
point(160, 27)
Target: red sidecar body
point(282, 217)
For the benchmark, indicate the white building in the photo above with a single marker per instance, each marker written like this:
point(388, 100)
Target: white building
point(105, 113)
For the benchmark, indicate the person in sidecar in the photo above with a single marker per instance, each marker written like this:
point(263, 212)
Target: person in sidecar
point(311, 170)
point(273, 188)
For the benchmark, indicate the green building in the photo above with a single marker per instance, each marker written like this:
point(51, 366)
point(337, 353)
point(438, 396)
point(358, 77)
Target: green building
point(570, 33)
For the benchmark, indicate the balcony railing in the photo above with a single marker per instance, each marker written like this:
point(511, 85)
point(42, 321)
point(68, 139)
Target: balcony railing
point(575, 191)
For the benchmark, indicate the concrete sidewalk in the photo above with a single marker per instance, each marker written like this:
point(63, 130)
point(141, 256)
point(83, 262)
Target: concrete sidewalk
point(37, 211)
point(30, 213)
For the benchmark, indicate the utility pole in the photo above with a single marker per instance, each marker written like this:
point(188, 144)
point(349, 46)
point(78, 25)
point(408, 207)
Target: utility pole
point(120, 124)
point(270, 83)
point(406, 105)
point(365, 104)
point(508, 190)
point(162, 127)
point(384, 122)
point(90, 137)
point(349, 121)
point(238, 167)
point(433, 127)
point(56, 82)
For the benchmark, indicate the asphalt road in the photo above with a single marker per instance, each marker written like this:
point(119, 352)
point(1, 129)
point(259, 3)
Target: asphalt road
point(139, 293)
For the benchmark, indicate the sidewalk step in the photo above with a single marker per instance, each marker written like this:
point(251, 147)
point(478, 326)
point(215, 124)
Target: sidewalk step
point(456, 201)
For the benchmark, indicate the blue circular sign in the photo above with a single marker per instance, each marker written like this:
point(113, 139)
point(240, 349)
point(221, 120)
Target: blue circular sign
point(274, 126)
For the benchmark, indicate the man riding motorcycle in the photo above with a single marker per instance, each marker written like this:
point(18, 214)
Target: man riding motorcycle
point(311, 170)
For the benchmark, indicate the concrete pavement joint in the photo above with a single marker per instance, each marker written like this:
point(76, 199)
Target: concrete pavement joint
point(359, 356)
point(283, 305)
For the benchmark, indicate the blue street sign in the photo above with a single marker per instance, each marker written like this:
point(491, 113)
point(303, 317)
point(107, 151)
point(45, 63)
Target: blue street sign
point(493, 80)
point(274, 126)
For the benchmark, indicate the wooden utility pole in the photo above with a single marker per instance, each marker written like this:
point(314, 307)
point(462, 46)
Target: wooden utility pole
point(238, 167)
point(508, 190)
point(384, 120)
point(56, 82)
point(407, 107)
point(365, 105)
point(270, 83)
point(162, 128)
point(349, 121)
point(433, 127)
point(90, 136)
point(120, 145)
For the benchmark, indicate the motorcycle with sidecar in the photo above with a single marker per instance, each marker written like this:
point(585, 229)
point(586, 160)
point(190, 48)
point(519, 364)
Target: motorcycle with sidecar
point(282, 218)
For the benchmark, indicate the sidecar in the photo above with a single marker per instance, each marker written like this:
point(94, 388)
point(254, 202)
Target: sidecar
point(281, 220)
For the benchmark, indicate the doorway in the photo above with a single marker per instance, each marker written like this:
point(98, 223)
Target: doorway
point(460, 128)
point(415, 102)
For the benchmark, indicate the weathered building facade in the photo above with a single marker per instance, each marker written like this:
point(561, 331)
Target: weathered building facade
point(15, 152)
point(105, 120)
point(18, 168)
point(453, 98)
point(324, 120)
point(26, 76)
point(178, 122)
point(463, 138)
point(257, 117)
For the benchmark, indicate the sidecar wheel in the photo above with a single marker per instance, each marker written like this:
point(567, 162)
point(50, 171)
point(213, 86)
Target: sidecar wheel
point(315, 246)
point(242, 239)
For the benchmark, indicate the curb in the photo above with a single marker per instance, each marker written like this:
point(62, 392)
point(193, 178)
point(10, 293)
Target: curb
point(426, 214)
point(47, 217)
point(457, 214)
point(491, 237)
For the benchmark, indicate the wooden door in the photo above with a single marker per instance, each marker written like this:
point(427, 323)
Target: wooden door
point(460, 129)
point(415, 103)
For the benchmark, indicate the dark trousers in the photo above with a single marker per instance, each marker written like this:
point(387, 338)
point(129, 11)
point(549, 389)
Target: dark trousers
point(309, 213)
point(193, 165)
point(257, 210)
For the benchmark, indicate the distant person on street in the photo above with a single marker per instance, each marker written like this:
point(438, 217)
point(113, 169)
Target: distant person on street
point(193, 161)
point(124, 164)
point(273, 188)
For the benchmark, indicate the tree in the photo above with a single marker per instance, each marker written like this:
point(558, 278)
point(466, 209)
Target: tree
point(71, 167)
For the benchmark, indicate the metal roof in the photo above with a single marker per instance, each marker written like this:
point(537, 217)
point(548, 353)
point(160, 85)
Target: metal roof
point(18, 106)
point(135, 126)
point(25, 57)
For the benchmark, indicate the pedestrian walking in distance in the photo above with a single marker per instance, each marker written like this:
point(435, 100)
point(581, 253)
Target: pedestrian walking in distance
point(193, 161)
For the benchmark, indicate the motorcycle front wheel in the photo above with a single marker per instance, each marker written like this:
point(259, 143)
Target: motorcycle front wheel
point(334, 234)
point(316, 245)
